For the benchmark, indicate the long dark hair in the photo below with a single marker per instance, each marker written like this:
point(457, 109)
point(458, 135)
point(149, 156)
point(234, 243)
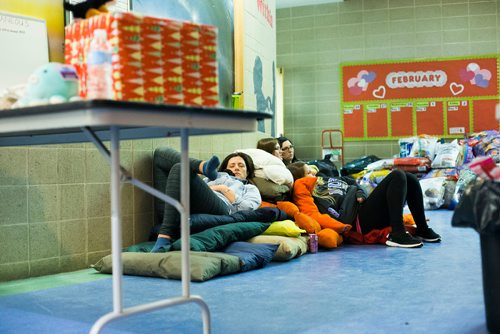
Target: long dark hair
point(283, 139)
point(248, 162)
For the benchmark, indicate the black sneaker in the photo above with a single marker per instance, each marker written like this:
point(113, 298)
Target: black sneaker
point(404, 240)
point(428, 235)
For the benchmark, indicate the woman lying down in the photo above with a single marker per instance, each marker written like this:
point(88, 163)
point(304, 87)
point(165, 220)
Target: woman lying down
point(344, 200)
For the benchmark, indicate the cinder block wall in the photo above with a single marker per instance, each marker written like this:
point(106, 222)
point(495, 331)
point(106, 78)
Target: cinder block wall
point(312, 41)
point(55, 201)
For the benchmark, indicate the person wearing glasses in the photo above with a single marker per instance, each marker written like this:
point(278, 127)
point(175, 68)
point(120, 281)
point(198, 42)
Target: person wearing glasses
point(270, 145)
point(287, 150)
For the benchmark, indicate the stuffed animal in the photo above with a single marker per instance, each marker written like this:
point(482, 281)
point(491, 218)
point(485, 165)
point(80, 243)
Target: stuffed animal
point(10, 95)
point(86, 9)
point(50, 83)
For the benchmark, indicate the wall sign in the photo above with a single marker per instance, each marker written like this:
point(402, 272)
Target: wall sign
point(24, 48)
point(442, 97)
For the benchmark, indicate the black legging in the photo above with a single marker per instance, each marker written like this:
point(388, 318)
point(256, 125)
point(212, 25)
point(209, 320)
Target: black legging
point(384, 206)
point(167, 179)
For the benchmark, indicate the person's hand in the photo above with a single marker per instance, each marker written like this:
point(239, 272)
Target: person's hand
point(360, 200)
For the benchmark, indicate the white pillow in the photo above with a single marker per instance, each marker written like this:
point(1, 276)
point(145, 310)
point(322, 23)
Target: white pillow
point(262, 158)
point(268, 166)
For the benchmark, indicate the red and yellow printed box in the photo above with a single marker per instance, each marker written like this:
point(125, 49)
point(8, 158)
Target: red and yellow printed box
point(153, 59)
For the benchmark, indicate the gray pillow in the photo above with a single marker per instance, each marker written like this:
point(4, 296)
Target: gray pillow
point(204, 266)
point(270, 191)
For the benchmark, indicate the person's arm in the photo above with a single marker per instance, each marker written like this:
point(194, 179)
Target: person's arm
point(249, 199)
point(224, 190)
point(361, 194)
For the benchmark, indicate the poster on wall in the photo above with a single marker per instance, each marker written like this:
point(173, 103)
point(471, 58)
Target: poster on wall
point(260, 59)
point(401, 115)
point(27, 42)
point(353, 120)
point(484, 117)
point(376, 120)
point(50, 11)
point(429, 117)
point(457, 116)
point(442, 93)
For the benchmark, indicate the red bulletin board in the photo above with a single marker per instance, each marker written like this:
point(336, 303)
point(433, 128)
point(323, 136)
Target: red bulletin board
point(484, 115)
point(450, 88)
point(353, 121)
point(376, 120)
point(457, 78)
point(430, 118)
point(402, 119)
point(457, 115)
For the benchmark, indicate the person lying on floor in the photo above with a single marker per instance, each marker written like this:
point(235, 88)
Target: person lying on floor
point(343, 199)
point(219, 193)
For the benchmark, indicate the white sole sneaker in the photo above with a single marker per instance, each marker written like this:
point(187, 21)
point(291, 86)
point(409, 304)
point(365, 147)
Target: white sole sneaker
point(395, 244)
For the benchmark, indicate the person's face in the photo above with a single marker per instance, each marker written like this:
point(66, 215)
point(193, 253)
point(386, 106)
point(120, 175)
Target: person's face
point(308, 172)
point(238, 167)
point(287, 151)
point(277, 151)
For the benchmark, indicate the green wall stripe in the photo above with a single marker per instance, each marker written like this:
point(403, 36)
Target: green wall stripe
point(50, 281)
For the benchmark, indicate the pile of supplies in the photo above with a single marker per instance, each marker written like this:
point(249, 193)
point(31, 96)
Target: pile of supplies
point(444, 169)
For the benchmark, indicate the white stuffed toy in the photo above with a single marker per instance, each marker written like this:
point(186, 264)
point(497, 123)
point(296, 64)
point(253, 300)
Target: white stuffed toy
point(50, 83)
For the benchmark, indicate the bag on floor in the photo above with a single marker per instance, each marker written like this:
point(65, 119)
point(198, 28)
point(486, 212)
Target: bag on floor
point(479, 208)
point(358, 165)
point(326, 168)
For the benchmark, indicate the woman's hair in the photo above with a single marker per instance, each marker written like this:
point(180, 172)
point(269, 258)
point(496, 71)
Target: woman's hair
point(297, 169)
point(268, 144)
point(283, 139)
point(248, 162)
point(321, 191)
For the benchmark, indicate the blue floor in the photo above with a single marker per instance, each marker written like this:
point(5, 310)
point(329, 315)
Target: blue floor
point(353, 289)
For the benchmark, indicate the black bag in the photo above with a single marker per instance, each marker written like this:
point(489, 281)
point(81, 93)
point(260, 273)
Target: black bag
point(326, 168)
point(358, 165)
point(479, 208)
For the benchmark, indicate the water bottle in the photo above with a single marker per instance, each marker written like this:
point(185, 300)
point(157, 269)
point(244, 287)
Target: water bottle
point(332, 212)
point(99, 80)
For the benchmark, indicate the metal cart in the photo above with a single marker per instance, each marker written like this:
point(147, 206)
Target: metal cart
point(333, 145)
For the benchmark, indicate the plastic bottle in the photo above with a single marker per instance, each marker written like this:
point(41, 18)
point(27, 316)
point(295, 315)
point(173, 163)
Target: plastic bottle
point(99, 80)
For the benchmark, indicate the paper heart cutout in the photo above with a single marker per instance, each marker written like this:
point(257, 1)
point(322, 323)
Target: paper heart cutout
point(485, 73)
point(352, 82)
point(369, 77)
point(456, 88)
point(466, 75)
point(480, 82)
point(473, 67)
point(355, 90)
point(379, 93)
point(362, 83)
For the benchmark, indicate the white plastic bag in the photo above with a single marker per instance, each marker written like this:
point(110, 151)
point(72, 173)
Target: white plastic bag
point(446, 155)
point(424, 147)
point(433, 190)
